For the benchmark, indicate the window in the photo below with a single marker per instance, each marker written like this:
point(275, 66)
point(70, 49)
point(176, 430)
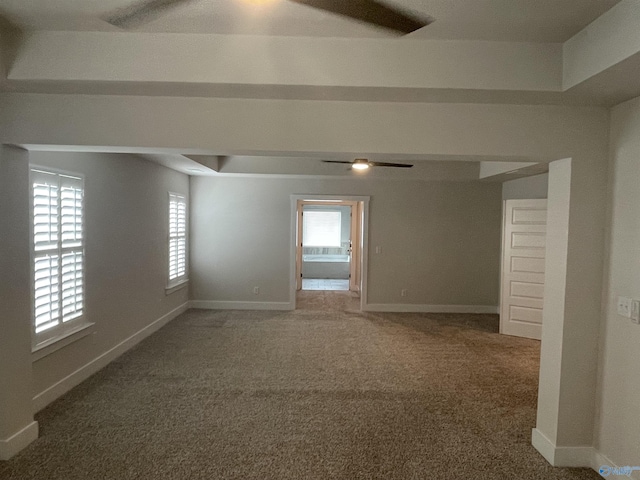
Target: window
point(177, 239)
point(58, 253)
point(321, 228)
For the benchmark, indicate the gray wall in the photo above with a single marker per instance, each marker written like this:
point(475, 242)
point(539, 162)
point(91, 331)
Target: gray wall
point(439, 240)
point(126, 205)
point(525, 188)
point(618, 427)
point(15, 297)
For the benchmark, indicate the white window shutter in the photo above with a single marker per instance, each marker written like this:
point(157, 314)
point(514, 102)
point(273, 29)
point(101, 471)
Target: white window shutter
point(72, 285)
point(58, 252)
point(45, 211)
point(71, 193)
point(177, 237)
point(321, 229)
point(47, 292)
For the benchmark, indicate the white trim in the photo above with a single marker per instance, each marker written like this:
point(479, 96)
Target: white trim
point(598, 460)
point(364, 254)
point(56, 343)
point(58, 389)
point(230, 305)
point(18, 441)
point(52, 335)
point(176, 283)
point(419, 308)
point(581, 456)
point(543, 445)
point(178, 286)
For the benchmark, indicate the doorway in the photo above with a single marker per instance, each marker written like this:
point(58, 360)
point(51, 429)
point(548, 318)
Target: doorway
point(329, 249)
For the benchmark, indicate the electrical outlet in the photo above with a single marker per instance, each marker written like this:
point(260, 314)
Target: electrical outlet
point(624, 307)
point(403, 292)
point(378, 249)
point(635, 311)
point(256, 290)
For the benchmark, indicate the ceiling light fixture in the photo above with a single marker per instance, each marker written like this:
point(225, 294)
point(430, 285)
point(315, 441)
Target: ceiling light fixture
point(258, 2)
point(360, 164)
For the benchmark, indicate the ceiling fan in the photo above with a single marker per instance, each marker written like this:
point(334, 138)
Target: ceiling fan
point(363, 164)
point(368, 11)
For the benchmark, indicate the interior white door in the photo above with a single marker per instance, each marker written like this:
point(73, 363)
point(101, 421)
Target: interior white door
point(523, 247)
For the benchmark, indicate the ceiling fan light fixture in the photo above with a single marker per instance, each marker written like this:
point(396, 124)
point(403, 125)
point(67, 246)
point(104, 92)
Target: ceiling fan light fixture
point(258, 2)
point(360, 164)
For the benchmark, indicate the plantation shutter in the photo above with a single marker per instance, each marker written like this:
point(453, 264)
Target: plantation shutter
point(58, 249)
point(321, 229)
point(177, 236)
point(71, 199)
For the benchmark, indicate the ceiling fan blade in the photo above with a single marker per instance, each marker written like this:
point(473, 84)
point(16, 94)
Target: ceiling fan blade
point(386, 164)
point(337, 161)
point(373, 12)
point(140, 12)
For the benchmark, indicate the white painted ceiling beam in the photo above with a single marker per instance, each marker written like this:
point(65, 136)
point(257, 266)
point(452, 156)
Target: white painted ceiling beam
point(609, 40)
point(284, 61)
point(490, 169)
point(603, 60)
point(217, 126)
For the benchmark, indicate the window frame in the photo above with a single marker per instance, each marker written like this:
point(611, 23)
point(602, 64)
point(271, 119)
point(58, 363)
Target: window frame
point(50, 340)
point(180, 281)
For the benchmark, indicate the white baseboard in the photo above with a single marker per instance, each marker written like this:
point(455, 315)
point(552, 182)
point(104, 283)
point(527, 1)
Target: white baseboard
point(224, 305)
point(599, 461)
point(18, 441)
point(58, 389)
point(417, 308)
point(580, 456)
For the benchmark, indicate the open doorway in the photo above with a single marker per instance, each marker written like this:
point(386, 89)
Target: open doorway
point(328, 243)
point(329, 250)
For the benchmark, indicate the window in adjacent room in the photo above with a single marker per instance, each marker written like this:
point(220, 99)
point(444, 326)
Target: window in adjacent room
point(177, 239)
point(321, 228)
point(58, 254)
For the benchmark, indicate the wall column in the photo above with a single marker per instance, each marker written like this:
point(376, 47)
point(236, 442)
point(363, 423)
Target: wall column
point(572, 311)
point(17, 427)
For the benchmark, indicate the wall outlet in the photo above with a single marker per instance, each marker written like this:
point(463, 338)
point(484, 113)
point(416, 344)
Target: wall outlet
point(403, 292)
point(635, 311)
point(256, 290)
point(624, 307)
point(378, 249)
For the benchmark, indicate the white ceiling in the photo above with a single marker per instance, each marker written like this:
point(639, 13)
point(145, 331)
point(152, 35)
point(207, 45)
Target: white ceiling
point(543, 21)
point(500, 20)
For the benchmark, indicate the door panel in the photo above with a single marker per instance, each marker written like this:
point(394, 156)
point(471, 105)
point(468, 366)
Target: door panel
point(524, 245)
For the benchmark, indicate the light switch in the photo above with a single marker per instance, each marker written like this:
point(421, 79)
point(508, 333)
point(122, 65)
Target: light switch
point(624, 307)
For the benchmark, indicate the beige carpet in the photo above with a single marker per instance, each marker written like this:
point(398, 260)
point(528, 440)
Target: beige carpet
point(302, 395)
point(337, 300)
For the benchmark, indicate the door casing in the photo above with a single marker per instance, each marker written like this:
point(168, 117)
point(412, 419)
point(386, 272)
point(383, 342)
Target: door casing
point(359, 229)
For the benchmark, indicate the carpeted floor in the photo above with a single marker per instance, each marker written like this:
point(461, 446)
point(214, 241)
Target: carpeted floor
point(328, 300)
point(302, 395)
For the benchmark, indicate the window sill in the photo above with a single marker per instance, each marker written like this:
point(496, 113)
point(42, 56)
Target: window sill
point(54, 344)
point(176, 286)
